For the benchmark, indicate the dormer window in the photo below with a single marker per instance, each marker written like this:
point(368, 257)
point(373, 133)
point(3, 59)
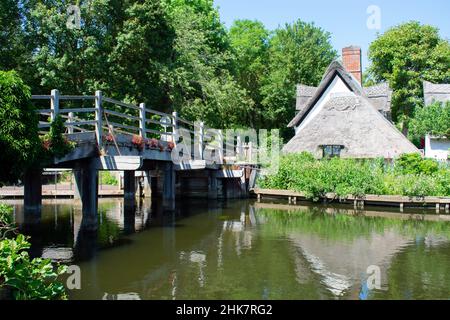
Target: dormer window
point(331, 150)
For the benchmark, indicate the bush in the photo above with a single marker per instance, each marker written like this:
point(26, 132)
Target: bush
point(108, 179)
point(24, 278)
point(413, 163)
point(55, 144)
point(411, 176)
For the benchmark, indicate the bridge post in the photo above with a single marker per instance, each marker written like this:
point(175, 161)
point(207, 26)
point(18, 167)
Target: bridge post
point(201, 140)
point(98, 117)
point(147, 184)
point(129, 185)
point(175, 125)
point(142, 121)
point(169, 186)
point(54, 104)
point(221, 141)
point(77, 183)
point(71, 117)
point(33, 191)
point(88, 183)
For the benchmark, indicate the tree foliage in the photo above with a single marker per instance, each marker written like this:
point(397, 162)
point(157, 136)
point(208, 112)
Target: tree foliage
point(298, 53)
point(23, 278)
point(19, 142)
point(250, 44)
point(406, 55)
point(433, 119)
point(171, 54)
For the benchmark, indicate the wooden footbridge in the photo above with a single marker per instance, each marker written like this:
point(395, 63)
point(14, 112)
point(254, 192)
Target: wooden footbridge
point(114, 135)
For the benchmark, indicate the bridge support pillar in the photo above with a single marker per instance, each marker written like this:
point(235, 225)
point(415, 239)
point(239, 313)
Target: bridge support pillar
point(86, 189)
point(129, 185)
point(147, 185)
point(33, 191)
point(169, 186)
point(77, 183)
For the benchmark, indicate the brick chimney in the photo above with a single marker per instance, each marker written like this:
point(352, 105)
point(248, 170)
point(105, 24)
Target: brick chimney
point(351, 57)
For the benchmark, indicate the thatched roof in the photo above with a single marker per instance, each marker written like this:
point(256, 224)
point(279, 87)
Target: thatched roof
point(353, 122)
point(335, 68)
point(380, 96)
point(304, 94)
point(435, 92)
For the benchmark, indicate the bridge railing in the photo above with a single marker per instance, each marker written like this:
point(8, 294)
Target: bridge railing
point(101, 114)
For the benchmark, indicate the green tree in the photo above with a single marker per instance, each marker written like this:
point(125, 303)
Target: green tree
point(141, 55)
point(19, 142)
point(12, 50)
point(406, 55)
point(433, 119)
point(250, 44)
point(299, 53)
point(201, 84)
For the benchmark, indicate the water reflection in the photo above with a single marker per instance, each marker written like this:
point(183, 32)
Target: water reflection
point(244, 250)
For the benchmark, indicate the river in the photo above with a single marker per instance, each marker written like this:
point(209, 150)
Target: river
point(246, 250)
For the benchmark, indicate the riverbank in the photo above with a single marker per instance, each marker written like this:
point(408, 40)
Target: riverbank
point(61, 190)
point(438, 203)
point(408, 176)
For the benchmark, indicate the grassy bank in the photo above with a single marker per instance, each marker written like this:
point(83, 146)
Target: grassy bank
point(410, 175)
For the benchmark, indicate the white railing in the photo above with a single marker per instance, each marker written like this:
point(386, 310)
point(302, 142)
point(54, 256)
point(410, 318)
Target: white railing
point(108, 115)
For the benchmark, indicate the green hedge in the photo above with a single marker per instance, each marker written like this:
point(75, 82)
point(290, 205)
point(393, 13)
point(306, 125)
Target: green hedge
point(410, 176)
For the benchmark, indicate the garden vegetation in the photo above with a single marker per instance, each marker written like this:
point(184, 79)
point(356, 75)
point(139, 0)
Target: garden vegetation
point(410, 175)
point(21, 277)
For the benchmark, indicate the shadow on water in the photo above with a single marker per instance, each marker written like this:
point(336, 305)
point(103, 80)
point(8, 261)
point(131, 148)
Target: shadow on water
point(244, 250)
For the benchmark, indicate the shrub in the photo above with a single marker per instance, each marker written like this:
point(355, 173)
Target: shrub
point(413, 163)
point(54, 143)
point(108, 179)
point(411, 176)
point(28, 279)
point(24, 278)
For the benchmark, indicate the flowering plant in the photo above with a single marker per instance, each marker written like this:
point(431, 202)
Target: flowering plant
point(152, 143)
point(138, 141)
point(170, 146)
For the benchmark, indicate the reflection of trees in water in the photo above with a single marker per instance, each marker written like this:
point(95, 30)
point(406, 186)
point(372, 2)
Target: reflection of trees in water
point(419, 272)
point(339, 248)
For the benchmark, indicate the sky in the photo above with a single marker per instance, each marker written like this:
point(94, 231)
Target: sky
point(346, 20)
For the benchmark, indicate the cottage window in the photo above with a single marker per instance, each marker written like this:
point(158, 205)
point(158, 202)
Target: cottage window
point(331, 151)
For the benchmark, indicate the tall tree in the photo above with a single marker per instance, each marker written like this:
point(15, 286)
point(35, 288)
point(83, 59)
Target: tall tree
point(201, 85)
point(250, 44)
point(19, 142)
point(141, 57)
point(13, 52)
point(299, 53)
point(406, 55)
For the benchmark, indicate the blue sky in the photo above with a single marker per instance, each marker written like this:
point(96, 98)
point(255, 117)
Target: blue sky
point(346, 20)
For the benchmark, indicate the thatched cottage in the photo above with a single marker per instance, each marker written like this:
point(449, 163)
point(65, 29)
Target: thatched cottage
point(341, 118)
point(436, 147)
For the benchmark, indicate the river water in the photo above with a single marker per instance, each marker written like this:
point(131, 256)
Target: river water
point(246, 250)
